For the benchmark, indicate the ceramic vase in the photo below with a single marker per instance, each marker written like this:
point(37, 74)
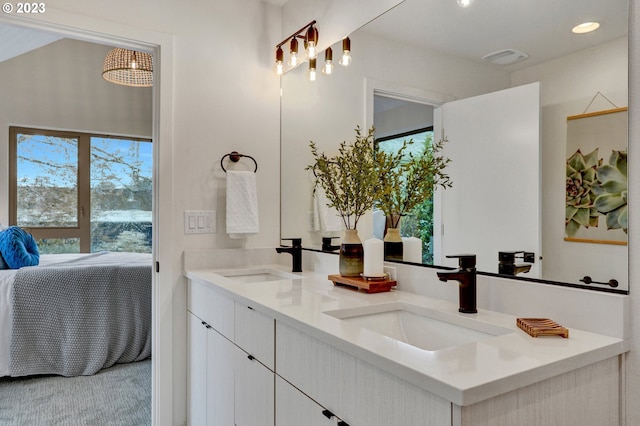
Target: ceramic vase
point(351, 254)
point(393, 245)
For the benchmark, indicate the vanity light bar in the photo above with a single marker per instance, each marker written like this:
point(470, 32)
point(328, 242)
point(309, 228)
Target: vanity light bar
point(309, 33)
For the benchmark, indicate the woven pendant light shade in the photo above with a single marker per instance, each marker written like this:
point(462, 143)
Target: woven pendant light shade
point(118, 68)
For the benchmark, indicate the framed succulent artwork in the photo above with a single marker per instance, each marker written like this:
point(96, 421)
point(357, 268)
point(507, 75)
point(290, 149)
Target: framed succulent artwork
point(596, 177)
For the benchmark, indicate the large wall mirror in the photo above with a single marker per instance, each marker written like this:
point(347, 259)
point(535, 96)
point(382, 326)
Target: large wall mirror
point(415, 61)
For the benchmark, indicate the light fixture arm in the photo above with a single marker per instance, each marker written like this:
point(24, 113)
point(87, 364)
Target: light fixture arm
point(296, 34)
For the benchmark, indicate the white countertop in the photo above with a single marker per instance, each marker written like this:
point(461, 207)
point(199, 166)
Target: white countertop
point(463, 374)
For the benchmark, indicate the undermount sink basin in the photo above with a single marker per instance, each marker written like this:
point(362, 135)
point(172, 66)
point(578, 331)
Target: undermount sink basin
point(258, 275)
point(418, 326)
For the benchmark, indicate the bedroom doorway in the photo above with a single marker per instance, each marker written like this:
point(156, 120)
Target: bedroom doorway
point(88, 41)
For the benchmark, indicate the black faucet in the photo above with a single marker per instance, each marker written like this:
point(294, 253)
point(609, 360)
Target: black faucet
point(295, 249)
point(466, 276)
point(326, 244)
point(507, 259)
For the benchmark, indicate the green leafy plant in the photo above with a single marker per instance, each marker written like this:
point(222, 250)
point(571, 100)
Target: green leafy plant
point(406, 182)
point(611, 191)
point(349, 179)
point(581, 178)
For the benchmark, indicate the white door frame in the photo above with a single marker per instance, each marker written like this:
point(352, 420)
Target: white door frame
point(161, 46)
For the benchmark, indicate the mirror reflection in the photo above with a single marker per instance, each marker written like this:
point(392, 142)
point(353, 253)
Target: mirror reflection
point(416, 61)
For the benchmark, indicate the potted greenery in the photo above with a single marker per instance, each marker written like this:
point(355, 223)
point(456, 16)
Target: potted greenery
point(405, 182)
point(350, 182)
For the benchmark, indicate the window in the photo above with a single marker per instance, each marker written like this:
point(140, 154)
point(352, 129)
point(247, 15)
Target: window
point(420, 222)
point(78, 192)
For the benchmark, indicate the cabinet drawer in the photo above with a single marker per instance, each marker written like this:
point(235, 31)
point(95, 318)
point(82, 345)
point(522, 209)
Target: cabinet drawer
point(255, 334)
point(293, 408)
point(321, 371)
point(254, 392)
point(211, 306)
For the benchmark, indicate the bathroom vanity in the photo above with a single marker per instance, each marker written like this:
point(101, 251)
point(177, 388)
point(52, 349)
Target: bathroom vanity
point(269, 347)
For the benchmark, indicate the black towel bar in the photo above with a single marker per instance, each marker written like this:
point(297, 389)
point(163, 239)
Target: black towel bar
point(235, 157)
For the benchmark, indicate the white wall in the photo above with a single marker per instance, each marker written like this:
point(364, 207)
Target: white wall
point(212, 104)
point(218, 94)
point(404, 117)
point(328, 110)
point(59, 86)
point(632, 372)
point(567, 86)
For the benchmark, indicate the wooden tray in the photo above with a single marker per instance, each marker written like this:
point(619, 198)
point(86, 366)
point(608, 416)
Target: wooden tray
point(369, 286)
point(542, 327)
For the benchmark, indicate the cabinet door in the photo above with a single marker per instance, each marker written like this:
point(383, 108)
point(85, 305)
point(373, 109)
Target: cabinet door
point(197, 371)
point(321, 371)
point(254, 391)
point(383, 399)
point(212, 306)
point(220, 380)
point(293, 408)
point(255, 333)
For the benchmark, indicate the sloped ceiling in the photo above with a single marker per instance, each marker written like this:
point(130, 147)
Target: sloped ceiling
point(15, 41)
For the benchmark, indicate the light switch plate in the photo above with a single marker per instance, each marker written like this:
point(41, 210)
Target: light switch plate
point(199, 222)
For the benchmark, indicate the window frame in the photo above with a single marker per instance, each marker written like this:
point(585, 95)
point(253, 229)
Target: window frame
point(83, 209)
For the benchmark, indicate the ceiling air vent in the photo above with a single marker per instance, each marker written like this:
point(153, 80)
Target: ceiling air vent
point(505, 57)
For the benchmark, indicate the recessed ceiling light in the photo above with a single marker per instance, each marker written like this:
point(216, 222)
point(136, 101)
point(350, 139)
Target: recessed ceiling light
point(585, 27)
point(464, 3)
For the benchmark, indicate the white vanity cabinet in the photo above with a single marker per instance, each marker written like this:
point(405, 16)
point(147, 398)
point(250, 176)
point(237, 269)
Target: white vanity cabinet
point(295, 408)
point(211, 380)
point(254, 364)
point(230, 371)
point(356, 392)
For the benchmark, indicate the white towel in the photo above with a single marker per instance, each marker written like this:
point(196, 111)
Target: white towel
point(242, 204)
point(379, 221)
point(325, 218)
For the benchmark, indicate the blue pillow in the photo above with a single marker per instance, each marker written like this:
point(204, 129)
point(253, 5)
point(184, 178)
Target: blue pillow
point(18, 248)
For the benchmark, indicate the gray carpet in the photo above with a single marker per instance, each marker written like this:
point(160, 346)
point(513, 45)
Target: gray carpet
point(117, 396)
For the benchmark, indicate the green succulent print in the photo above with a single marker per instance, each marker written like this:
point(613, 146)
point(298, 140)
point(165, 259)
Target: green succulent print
point(611, 191)
point(581, 179)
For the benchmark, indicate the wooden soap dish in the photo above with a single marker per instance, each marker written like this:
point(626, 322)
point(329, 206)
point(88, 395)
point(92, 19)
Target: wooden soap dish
point(542, 327)
point(369, 286)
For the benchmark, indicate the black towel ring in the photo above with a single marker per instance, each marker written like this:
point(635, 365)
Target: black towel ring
point(235, 157)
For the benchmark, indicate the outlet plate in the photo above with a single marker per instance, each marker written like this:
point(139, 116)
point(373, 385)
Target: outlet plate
point(391, 271)
point(199, 222)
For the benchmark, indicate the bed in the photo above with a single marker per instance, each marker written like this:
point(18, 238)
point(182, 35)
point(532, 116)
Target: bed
point(75, 314)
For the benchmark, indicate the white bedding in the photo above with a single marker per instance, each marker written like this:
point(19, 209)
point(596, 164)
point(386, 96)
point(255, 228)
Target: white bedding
point(7, 277)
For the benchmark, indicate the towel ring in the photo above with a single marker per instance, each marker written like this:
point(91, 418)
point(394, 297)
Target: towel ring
point(235, 157)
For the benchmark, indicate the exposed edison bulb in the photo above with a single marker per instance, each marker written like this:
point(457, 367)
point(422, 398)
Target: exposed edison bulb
point(346, 52)
point(328, 61)
point(464, 3)
point(327, 68)
point(311, 49)
point(293, 53)
point(311, 42)
point(279, 60)
point(346, 58)
point(312, 70)
point(293, 59)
